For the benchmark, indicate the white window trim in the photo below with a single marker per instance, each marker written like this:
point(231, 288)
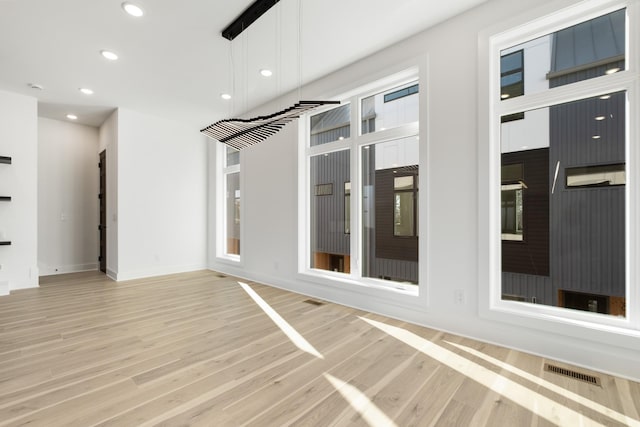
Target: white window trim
point(221, 212)
point(605, 329)
point(417, 294)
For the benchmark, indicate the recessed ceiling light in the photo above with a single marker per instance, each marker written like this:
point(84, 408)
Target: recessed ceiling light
point(109, 55)
point(72, 117)
point(86, 91)
point(132, 9)
point(504, 96)
point(612, 70)
point(266, 73)
point(605, 97)
point(225, 96)
point(600, 118)
point(596, 137)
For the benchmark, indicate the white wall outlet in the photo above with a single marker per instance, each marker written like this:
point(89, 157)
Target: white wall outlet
point(458, 296)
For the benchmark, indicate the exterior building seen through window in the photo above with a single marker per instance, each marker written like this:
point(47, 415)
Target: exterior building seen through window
point(387, 184)
point(563, 169)
point(232, 205)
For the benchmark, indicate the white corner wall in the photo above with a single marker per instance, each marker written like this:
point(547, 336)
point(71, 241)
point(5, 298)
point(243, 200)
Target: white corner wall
point(67, 197)
point(162, 196)
point(449, 139)
point(18, 218)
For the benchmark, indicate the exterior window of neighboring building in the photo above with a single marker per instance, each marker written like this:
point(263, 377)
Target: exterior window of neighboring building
point(404, 207)
point(512, 74)
point(383, 177)
point(231, 201)
point(390, 109)
point(512, 202)
point(563, 167)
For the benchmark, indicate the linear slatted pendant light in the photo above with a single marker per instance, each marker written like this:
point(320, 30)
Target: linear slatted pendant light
point(243, 133)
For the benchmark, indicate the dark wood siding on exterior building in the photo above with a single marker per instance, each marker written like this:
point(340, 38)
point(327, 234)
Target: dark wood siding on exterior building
point(387, 245)
point(588, 224)
point(531, 255)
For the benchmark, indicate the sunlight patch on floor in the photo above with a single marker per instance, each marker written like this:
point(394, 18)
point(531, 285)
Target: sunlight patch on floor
point(552, 387)
point(521, 395)
point(295, 337)
point(361, 403)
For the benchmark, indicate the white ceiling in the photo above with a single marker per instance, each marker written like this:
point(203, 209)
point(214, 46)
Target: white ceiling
point(173, 61)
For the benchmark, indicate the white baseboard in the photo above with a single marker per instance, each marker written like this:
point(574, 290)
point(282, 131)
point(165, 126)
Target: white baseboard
point(46, 270)
point(157, 271)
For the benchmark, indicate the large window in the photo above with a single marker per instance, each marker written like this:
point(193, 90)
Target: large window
point(230, 201)
point(377, 165)
point(561, 172)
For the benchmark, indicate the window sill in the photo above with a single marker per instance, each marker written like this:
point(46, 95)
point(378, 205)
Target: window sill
point(338, 280)
point(599, 328)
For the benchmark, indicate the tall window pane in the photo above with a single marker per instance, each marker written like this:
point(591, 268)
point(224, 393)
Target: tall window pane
point(563, 206)
point(389, 210)
point(330, 241)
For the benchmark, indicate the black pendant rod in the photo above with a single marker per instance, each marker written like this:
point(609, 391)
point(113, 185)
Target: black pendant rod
point(248, 17)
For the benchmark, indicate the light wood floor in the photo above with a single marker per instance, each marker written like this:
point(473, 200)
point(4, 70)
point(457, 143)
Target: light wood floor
point(195, 349)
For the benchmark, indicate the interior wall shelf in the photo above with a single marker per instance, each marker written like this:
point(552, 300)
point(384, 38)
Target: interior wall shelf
point(5, 159)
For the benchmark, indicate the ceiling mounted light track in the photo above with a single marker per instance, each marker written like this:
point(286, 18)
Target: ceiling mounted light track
point(243, 133)
point(248, 17)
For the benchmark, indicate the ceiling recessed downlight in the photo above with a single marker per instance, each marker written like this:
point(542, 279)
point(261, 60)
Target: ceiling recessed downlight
point(86, 91)
point(612, 70)
point(72, 117)
point(132, 9)
point(266, 73)
point(600, 118)
point(109, 55)
point(225, 96)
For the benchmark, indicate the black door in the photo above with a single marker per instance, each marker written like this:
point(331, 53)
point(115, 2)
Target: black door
point(103, 212)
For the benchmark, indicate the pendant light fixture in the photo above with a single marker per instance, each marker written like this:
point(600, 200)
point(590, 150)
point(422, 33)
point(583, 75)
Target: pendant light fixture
point(242, 133)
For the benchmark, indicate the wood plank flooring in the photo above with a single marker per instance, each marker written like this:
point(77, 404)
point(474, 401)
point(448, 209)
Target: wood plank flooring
point(194, 349)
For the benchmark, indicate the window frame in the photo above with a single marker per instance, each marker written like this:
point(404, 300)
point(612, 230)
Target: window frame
point(354, 143)
point(537, 23)
point(223, 171)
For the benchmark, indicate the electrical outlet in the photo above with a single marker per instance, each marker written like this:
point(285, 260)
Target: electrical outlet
point(458, 296)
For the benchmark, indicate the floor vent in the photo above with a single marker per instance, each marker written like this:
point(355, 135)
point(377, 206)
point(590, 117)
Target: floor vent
point(572, 374)
point(313, 302)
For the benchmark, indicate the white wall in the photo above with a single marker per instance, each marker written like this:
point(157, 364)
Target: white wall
point(162, 193)
point(67, 197)
point(18, 218)
point(449, 250)
point(108, 140)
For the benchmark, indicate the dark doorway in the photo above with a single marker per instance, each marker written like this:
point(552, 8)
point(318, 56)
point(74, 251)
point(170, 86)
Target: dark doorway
point(102, 196)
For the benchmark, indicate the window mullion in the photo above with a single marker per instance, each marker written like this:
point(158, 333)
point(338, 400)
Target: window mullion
point(562, 94)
